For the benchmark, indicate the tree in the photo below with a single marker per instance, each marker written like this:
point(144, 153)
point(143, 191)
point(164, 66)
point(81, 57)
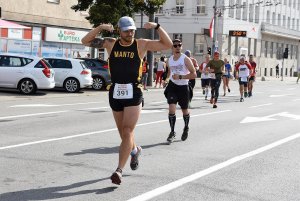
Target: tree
point(109, 11)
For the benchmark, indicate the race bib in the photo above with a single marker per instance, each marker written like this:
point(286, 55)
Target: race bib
point(123, 91)
point(212, 76)
point(244, 79)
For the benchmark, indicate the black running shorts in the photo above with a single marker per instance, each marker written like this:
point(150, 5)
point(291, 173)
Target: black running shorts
point(243, 83)
point(119, 104)
point(178, 94)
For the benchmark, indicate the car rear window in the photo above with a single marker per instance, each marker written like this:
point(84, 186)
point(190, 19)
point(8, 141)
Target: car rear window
point(83, 64)
point(40, 64)
point(59, 63)
point(12, 61)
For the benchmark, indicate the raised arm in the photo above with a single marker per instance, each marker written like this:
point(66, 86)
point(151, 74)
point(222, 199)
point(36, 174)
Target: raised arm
point(163, 43)
point(91, 40)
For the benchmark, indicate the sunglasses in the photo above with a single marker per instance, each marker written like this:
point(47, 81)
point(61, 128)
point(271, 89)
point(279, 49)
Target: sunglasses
point(178, 45)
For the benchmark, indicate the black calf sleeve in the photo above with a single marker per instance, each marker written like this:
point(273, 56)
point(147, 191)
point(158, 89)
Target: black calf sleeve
point(186, 119)
point(172, 120)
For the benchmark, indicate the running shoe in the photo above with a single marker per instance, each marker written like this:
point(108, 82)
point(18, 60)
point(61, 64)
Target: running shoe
point(116, 177)
point(171, 137)
point(134, 163)
point(203, 92)
point(185, 134)
point(228, 90)
point(215, 106)
point(249, 94)
point(241, 100)
point(245, 94)
point(205, 97)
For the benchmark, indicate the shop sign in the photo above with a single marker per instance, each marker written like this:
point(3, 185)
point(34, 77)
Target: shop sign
point(64, 35)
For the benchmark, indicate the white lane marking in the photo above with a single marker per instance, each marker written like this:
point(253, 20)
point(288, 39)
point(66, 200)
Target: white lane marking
point(97, 132)
point(291, 89)
point(158, 102)
point(173, 185)
point(280, 95)
point(35, 114)
point(50, 105)
point(261, 105)
point(270, 117)
point(152, 111)
point(93, 108)
point(296, 100)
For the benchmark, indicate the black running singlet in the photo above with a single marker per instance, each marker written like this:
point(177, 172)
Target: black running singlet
point(125, 65)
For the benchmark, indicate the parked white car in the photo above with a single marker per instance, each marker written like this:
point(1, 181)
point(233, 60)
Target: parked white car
point(25, 73)
point(71, 74)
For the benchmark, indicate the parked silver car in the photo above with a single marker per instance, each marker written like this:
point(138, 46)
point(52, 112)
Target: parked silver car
point(71, 74)
point(25, 73)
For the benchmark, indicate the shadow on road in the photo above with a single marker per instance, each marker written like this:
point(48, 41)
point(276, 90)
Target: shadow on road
point(108, 150)
point(52, 193)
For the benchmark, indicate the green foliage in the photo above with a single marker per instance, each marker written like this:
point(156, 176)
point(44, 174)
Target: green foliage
point(109, 11)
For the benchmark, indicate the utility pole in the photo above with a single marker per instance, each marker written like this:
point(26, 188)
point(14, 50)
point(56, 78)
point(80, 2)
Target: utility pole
point(215, 37)
point(150, 54)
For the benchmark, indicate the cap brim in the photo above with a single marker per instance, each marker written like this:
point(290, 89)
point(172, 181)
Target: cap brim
point(128, 28)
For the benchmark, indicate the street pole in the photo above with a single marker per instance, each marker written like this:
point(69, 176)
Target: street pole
point(282, 69)
point(150, 54)
point(215, 27)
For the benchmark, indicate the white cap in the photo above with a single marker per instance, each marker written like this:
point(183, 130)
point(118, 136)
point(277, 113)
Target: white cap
point(126, 23)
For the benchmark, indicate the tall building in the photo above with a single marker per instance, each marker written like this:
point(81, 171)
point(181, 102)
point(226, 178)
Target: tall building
point(54, 28)
point(264, 28)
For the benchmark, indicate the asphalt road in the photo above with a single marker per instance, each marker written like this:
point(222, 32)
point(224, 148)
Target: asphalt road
point(60, 146)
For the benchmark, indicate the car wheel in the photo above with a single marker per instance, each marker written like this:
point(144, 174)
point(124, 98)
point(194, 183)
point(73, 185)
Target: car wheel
point(98, 83)
point(72, 85)
point(27, 86)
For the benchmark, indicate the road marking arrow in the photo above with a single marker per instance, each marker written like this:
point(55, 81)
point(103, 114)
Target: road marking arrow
point(270, 117)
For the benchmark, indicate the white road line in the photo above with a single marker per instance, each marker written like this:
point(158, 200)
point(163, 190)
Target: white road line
point(97, 132)
point(35, 114)
point(50, 105)
point(173, 185)
point(158, 102)
point(280, 95)
point(261, 105)
point(296, 100)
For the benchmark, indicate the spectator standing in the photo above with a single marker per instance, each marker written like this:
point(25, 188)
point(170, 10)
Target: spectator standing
point(145, 73)
point(161, 67)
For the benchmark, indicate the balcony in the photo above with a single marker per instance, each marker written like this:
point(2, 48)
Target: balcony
point(271, 29)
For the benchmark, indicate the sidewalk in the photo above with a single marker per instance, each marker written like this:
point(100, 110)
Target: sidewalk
point(285, 79)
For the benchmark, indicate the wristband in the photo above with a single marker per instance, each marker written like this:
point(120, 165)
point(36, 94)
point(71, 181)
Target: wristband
point(157, 26)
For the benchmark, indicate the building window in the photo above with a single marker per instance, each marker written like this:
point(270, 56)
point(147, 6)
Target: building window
point(279, 20)
point(266, 49)
point(289, 23)
point(177, 36)
point(268, 17)
point(179, 6)
point(297, 25)
point(238, 10)
point(199, 44)
point(273, 18)
point(231, 9)
point(245, 11)
point(256, 14)
point(54, 1)
point(283, 21)
point(160, 10)
point(272, 49)
point(293, 24)
point(251, 12)
point(285, 1)
point(200, 7)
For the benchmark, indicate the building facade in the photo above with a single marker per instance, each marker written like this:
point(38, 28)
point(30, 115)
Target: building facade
point(264, 28)
point(54, 28)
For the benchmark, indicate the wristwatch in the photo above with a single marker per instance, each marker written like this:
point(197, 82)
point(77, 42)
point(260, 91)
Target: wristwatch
point(180, 77)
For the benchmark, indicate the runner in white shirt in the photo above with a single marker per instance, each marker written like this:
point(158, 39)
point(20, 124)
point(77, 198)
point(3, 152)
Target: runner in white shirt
point(181, 69)
point(243, 72)
point(205, 77)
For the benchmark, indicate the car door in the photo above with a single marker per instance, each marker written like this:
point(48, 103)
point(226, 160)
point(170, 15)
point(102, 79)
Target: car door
point(61, 68)
point(11, 71)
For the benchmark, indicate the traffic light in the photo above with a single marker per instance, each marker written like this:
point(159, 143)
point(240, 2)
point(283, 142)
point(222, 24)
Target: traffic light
point(209, 50)
point(286, 53)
